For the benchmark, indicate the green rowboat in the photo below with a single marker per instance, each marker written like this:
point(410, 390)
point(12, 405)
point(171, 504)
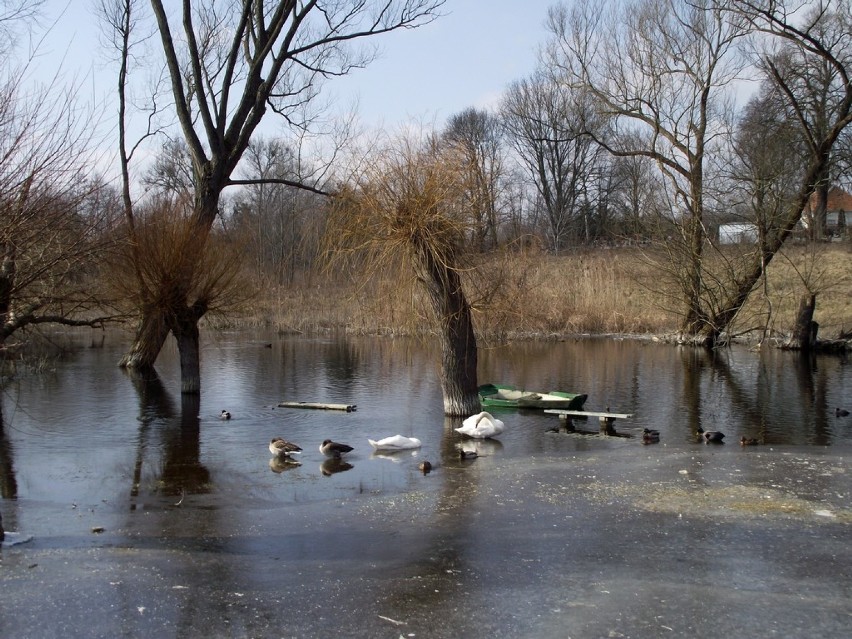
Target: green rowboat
point(504, 396)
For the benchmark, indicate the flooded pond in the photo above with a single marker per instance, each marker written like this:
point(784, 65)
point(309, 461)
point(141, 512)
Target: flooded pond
point(151, 516)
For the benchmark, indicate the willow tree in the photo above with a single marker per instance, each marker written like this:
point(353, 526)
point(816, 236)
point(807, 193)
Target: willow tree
point(402, 215)
point(162, 232)
point(228, 63)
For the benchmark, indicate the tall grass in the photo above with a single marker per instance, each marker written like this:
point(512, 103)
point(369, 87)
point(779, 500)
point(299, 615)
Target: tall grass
point(524, 295)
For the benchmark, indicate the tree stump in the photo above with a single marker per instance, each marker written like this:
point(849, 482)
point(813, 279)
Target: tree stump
point(805, 331)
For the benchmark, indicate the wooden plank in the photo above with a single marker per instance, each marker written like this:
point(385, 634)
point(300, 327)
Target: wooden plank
point(318, 405)
point(584, 413)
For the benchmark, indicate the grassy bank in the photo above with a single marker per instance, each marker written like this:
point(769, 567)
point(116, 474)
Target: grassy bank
point(618, 290)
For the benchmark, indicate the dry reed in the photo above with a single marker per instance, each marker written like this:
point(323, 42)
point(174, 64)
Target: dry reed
point(530, 295)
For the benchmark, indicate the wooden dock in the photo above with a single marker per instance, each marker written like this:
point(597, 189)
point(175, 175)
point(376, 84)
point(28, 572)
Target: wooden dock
point(606, 418)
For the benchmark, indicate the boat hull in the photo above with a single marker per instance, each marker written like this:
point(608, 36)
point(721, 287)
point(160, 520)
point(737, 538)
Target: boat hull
point(503, 396)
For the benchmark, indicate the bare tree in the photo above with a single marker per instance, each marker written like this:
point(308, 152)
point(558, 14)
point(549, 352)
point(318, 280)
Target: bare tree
point(658, 70)
point(402, 213)
point(228, 64)
point(768, 159)
point(280, 222)
point(818, 94)
point(635, 197)
point(171, 171)
point(546, 123)
point(822, 37)
point(477, 137)
point(49, 239)
point(15, 15)
point(843, 160)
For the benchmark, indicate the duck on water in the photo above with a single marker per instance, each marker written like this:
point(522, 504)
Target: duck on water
point(711, 436)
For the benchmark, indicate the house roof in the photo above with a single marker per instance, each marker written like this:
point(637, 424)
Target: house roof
point(838, 200)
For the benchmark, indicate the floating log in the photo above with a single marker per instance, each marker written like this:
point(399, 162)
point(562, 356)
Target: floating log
point(318, 405)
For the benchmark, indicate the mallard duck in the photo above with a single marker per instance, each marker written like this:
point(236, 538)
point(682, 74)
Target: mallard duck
point(748, 441)
point(481, 426)
point(711, 436)
point(395, 442)
point(468, 454)
point(652, 433)
point(224, 415)
point(282, 448)
point(841, 412)
point(333, 449)
point(425, 467)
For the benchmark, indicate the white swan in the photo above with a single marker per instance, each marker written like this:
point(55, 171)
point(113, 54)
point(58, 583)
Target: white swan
point(481, 426)
point(395, 442)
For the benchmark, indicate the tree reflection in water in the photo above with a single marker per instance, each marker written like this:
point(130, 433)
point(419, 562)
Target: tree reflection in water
point(176, 435)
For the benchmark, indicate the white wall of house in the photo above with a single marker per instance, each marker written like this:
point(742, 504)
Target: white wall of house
point(737, 233)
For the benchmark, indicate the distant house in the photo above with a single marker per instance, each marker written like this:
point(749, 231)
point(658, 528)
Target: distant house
point(737, 233)
point(837, 210)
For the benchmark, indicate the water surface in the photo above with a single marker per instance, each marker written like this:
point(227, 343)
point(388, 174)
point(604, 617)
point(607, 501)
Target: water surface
point(192, 504)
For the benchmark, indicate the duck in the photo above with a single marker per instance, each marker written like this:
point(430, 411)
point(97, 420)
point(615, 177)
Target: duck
point(468, 454)
point(395, 442)
point(711, 436)
point(425, 467)
point(650, 436)
point(841, 412)
point(282, 448)
point(224, 415)
point(333, 449)
point(481, 426)
point(748, 441)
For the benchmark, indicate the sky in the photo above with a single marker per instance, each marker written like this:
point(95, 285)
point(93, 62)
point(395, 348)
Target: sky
point(465, 58)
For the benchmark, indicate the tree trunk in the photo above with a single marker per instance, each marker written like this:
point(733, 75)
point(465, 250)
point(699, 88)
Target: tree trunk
point(805, 331)
point(7, 283)
point(819, 205)
point(743, 286)
point(8, 481)
point(188, 341)
point(694, 237)
point(173, 309)
point(458, 341)
point(459, 362)
point(151, 334)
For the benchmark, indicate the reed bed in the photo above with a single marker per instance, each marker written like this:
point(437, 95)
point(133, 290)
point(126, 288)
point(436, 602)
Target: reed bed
point(533, 295)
